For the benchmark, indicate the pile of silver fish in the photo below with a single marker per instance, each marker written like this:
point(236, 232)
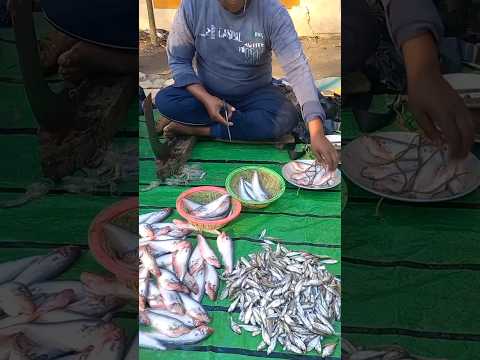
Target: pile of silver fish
point(286, 297)
point(415, 168)
point(217, 209)
point(311, 173)
point(252, 191)
point(44, 318)
point(392, 352)
point(173, 279)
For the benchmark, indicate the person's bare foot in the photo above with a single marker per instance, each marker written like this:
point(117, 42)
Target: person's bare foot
point(51, 47)
point(174, 129)
point(84, 59)
point(160, 124)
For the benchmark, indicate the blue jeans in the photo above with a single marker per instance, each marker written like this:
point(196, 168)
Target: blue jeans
point(265, 114)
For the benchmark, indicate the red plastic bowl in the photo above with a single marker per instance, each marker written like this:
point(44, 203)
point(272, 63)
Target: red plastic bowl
point(99, 246)
point(207, 191)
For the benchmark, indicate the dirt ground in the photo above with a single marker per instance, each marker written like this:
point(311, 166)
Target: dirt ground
point(323, 54)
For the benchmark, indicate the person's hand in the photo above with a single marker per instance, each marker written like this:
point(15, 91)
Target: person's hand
point(323, 149)
point(441, 113)
point(216, 110)
point(439, 110)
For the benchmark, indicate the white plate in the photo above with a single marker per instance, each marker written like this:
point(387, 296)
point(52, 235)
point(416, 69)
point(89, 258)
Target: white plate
point(287, 172)
point(468, 86)
point(353, 164)
point(336, 141)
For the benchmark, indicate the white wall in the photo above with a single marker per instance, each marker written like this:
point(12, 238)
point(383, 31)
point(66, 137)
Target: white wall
point(324, 15)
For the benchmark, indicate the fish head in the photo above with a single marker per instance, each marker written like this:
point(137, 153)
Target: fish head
point(183, 245)
point(110, 332)
point(69, 251)
point(205, 330)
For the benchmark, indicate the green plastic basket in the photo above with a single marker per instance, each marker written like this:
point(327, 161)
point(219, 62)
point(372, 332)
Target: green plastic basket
point(272, 182)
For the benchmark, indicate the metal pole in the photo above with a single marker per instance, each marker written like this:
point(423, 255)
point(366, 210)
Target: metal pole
point(151, 22)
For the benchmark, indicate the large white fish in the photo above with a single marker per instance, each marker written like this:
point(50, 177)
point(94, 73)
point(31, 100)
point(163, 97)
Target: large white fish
point(169, 281)
point(111, 349)
point(169, 246)
point(66, 336)
point(55, 301)
point(165, 261)
point(147, 341)
point(207, 253)
point(225, 247)
point(215, 209)
point(200, 281)
point(11, 269)
point(49, 266)
point(121, 240)
point(196, 335)
point(154, 217)
point(96, 306)
point(172, 301)
point(190, 282)
point(143, 286)
point(24, 348)
point(260, 193)
point(61, 315)
point(194, 309)
point(132, 352)
point(185, 318)
point(242, 191)
point(167, 325)
point(146, 231)
point(16, 299)
point(211, 282)
point(6, 344)
point(148, 260)
point(196, 261)
point(54, 287)
point(180, 261)
point(168, 231)
point(191, 205)
point(107, 286)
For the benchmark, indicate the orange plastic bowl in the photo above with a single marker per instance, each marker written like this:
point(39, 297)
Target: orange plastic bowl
point(204, 195)
point(103, 251)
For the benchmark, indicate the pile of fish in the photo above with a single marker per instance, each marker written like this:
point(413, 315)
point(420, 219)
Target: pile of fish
point(44, 318)
point(173, 279)
point(311, 173)
point(252, 191)
point(392, 352)
point(286, 297)
point(415, 168)
point(217, 209)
